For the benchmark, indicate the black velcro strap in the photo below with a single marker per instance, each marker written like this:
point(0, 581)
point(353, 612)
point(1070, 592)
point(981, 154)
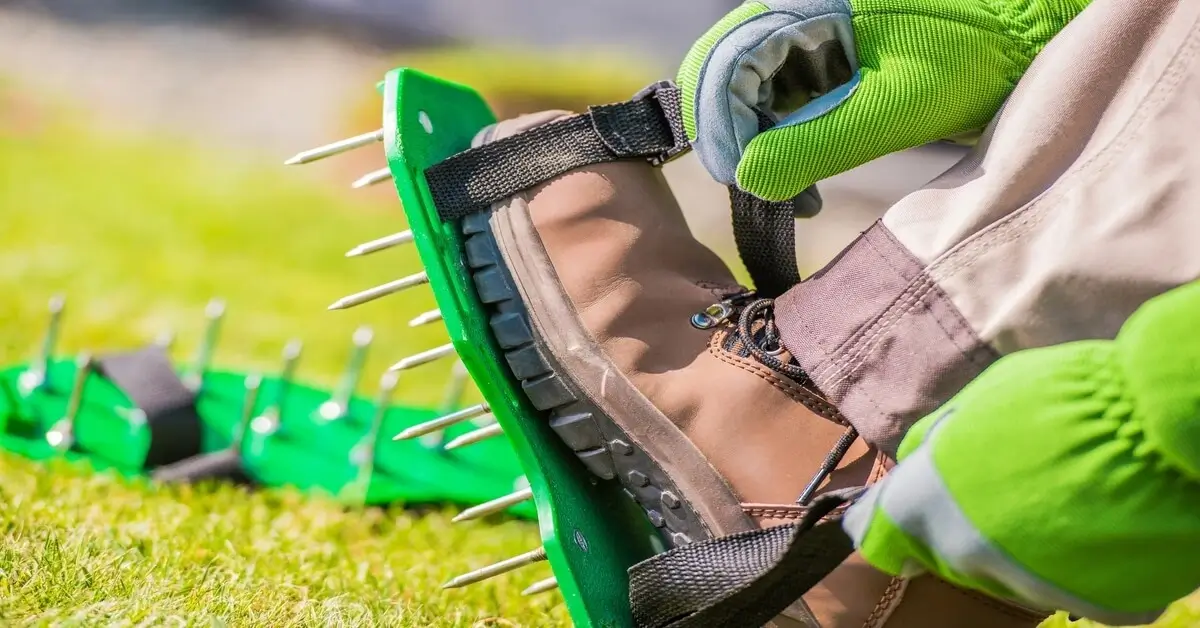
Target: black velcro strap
point(741, 580)
point(148, 378)
point(646, 127)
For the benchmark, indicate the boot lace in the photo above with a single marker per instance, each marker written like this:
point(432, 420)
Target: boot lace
point(756, 334)
point(756, 329)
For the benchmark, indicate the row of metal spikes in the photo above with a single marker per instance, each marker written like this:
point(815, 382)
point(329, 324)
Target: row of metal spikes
point(534, 556)
point(61, 434)
point(35, 377)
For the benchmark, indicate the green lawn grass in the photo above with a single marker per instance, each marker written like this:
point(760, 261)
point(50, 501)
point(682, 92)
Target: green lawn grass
point(140, 233)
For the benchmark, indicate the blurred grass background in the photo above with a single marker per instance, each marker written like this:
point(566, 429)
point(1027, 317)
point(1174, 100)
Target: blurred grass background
point(140, 226)
point(140, 231)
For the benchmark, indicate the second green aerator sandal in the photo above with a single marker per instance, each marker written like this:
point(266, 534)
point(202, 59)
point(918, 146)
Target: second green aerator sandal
point(137, 413)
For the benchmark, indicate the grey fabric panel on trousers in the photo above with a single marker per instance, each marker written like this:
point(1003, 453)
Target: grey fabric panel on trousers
point(879, 338)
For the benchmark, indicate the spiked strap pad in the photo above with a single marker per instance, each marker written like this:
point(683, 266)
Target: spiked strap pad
point(738, 580)
point(148, 378)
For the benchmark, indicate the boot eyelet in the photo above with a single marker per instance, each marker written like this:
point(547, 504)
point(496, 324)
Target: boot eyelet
point(776, 350)
point(712, 316)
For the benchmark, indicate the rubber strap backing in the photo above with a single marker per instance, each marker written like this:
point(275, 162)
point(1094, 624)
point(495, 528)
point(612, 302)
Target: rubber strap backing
point(741, 580)
point(148, 378)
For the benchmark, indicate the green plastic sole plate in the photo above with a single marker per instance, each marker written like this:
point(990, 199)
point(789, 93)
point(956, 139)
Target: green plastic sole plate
point(307, 452)
point(592, 532)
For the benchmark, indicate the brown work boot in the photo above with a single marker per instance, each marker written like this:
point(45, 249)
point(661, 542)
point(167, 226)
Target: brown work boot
point(662, 373)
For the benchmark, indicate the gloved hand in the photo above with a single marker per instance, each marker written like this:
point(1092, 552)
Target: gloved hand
point(1065, 477)
point(842, 82)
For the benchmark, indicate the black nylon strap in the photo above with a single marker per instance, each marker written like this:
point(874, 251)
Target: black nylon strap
point(646, 127)
point(148, 378)
point(765, 233)
point(649, 126)
point(741, 580)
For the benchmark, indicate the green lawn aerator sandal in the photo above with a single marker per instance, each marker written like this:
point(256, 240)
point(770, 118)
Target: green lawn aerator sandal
point(133, 412)
point(685, 470)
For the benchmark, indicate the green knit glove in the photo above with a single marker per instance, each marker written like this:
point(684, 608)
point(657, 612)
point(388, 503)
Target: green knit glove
point(1066, 477)
point(842, 82)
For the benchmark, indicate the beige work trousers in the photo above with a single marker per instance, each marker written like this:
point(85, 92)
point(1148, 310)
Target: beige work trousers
point(1081, 202)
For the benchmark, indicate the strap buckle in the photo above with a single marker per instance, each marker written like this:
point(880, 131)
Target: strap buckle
point(667, 96)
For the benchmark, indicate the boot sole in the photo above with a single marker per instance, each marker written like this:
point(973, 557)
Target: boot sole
point(601, 444)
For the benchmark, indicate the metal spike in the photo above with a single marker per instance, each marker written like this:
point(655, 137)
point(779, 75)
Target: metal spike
point(371, 178)
point(453, 393)
point(442, 423)
point(253, 384)
point(423, 357)
point(474, 436)
point(499, 504)
point(386, 242)
point(451, 401)
point(62, 435)
point(337, 406)
point(166, 340)
point(491, 571)
point(213, 312)
point(83, 368)
point(270, 419)
point(34, 377)
point(380, 291)
point(291, 357)
point(335, 148)
point(366, 452)
point(541, 586)
point(432, 316)
point(57, 304)
point(383, 403)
